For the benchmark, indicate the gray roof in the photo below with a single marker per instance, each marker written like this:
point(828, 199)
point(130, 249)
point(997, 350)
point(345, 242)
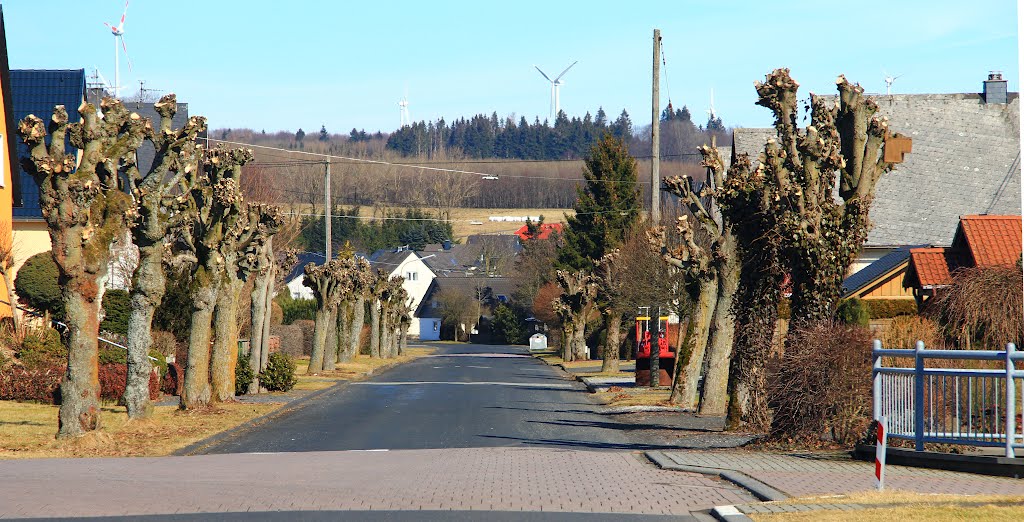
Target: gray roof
point(301, 261)
point(870, 273)
point(965, 160)
point(389, 259)
point(499, 286)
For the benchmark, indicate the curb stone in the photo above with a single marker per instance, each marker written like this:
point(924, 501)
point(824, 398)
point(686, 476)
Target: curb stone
point(197, 447)
point(729, 514)
point(759, 489)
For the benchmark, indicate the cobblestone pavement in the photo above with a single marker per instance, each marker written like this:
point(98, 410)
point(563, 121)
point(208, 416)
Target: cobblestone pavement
point(808, 474)
point(468, 479)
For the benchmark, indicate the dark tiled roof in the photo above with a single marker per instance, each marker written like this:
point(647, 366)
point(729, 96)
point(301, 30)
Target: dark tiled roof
point(303, 259)
point(965, 160)
point(37, 92)
point(869, 274)
point(498, 286)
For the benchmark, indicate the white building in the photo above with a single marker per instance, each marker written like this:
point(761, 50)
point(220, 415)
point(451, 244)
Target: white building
point(418, 276)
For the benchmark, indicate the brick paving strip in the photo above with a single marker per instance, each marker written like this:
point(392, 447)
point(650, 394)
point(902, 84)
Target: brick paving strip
point(819, 474)
point(490, 479)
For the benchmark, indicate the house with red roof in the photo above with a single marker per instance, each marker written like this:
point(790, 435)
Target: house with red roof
point(981, 240)
point(546, 229)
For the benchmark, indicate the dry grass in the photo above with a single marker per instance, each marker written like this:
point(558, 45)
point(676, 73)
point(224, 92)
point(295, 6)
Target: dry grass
point(606, 374)
point(908, 507)
point(618, 397)
point(27, 430)
point(461, 218)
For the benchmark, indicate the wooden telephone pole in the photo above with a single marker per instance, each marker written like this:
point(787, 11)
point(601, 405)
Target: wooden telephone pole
point(656, 133)
point(327, 210)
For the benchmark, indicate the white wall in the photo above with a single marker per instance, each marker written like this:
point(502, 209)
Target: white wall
point(429, 328)
point(299, 290)
point(416, 286)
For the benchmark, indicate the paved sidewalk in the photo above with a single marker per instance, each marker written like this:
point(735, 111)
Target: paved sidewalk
point(809, 474)
point(472, 479)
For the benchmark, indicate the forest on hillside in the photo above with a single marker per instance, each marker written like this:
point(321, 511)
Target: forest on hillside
point(480, 162)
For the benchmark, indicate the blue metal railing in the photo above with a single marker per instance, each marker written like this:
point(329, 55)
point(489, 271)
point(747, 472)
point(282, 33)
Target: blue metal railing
point(958, 405)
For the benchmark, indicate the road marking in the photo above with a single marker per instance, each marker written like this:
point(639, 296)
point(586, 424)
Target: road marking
point(481, 367)
point(491, 355)
point(563, 386)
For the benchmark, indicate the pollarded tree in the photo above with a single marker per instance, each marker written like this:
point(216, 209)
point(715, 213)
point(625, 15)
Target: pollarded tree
point(327, 282)
point(217, 217)
point(722, 260)
point(821, 235)
point(84, 211)
point(573, 305)
point(362, 284)
point(268, 275)
point(159, 197)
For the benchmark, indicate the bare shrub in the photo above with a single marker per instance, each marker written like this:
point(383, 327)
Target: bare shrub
point(904, 332)
point(820, 387)
point(982, 308)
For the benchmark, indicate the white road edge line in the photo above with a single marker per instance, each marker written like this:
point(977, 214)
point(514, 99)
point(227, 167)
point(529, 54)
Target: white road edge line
point(565, 386)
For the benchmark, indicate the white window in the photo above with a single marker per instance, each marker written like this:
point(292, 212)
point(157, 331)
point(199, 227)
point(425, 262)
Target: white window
point(411, 276)
point(435, 325)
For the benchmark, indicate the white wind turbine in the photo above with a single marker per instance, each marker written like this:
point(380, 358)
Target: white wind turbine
point(118, 32)
point(889, 81)
point(711, 111)
point(403, 108)
point(555, 84)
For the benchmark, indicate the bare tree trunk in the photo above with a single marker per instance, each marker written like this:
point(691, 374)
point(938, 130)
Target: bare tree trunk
point(685, 388)
point(403, 341)
point(320, 326)
point(147, 293)
point(12, 298)
point(375, 328)
point(579, 345)
point(196, 392)
point(331, 343)
point(80, 390)
point(567, 339)
point(613, 321)
point(344, 326)
point(715, 400)
point(358, 316)
point(259, 331)
point(225, 342)
point(265, 348)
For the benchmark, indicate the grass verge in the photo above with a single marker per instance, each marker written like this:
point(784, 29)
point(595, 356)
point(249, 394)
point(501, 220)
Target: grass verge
point(618, 397)
point(907, 507)
point(27, 430)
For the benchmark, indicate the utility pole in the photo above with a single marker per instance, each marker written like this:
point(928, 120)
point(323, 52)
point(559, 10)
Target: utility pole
point(327, 209)
point(656, 133)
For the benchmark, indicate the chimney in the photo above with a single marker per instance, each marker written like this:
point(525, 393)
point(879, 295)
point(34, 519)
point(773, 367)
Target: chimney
point(995, 88)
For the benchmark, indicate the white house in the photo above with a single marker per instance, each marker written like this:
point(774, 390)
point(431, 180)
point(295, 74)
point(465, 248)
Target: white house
point(418, 276)
point(294, 278)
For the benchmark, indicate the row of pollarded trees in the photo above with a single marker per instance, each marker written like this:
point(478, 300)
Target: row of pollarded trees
point(344, 288)
point(764, 222)
point(185, 210)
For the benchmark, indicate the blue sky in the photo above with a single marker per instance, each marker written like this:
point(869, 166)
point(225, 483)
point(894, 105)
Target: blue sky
point(285, 65)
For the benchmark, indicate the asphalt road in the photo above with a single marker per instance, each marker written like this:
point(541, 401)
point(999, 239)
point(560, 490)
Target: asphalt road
point(464, 396)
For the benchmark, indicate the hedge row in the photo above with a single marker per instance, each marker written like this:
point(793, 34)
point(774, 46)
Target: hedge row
point(43, 384)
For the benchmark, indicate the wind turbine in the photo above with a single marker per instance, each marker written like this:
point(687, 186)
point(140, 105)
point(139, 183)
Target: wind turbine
point(403, 109)
point(711, 110)
point(889, 81)
point(118, 32)
point(555, 84)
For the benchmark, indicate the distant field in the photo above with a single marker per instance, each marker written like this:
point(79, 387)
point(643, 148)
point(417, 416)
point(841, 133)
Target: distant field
point(462, 218)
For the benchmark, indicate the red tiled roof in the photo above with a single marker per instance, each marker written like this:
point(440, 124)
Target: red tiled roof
point(545, 231)
point(932, 266)
point(992, 240)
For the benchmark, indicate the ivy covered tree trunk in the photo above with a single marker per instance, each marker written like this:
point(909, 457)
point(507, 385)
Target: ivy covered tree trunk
point(84, 212)
point(685, 386)
point(756, 310)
